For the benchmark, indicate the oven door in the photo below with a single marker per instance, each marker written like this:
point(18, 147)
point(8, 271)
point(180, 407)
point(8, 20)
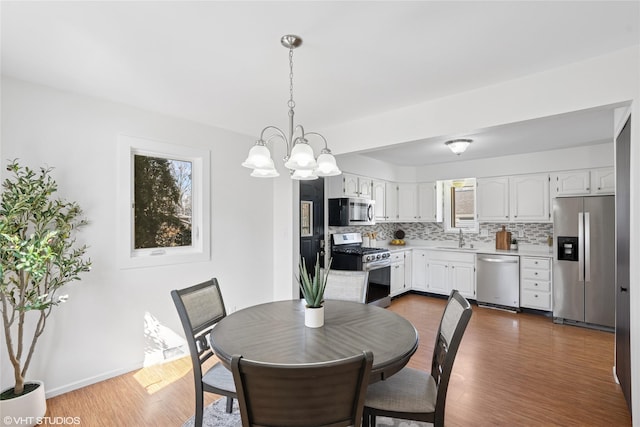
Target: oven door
point(379, 287)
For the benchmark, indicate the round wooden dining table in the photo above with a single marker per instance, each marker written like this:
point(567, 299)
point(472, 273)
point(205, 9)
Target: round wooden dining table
point(275, 333)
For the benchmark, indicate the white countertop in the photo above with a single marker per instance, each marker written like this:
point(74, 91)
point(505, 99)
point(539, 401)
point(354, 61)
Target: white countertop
point(483, 248)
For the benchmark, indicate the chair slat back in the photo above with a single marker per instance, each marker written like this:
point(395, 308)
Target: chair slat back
point(452, 326)
point(199, 307)
point(347, 285)
point(306, 395)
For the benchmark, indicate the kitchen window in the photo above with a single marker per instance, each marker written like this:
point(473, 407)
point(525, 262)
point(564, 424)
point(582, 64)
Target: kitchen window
point(163, 203)
point(460, 205)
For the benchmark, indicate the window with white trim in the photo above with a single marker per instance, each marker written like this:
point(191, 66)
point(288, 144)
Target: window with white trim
point(163, 203)
point(460, 205)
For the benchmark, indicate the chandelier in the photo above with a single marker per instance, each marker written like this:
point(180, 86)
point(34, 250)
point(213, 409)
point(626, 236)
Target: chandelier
point(300, 159)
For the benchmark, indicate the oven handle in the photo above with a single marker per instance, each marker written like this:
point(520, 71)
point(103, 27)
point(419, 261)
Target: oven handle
point(376, 265)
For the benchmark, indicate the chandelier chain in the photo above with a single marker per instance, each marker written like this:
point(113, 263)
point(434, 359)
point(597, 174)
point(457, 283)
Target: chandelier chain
point(291, 102)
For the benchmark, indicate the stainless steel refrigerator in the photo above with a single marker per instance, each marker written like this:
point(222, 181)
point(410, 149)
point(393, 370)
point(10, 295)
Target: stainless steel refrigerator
point(584, 260)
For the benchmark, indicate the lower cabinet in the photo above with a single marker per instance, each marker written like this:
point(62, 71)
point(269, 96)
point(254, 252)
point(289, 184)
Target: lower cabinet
point(535, 283)
point(400, 272)
point(419, 270)
point(446, 271)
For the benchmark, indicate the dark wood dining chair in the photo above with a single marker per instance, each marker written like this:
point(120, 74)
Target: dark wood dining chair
point(413, 394)
point(200, 307)
point(302, 395)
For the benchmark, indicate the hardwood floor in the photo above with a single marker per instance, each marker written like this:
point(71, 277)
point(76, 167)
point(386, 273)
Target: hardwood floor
point(511, 370)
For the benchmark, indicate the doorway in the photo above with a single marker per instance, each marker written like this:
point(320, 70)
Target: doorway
point(312, 222)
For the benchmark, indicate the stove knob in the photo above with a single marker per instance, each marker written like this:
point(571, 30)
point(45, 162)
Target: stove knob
point(378, 256)
point(368, 258)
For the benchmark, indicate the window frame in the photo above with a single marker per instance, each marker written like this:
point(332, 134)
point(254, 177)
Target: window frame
point(446, 190)
point(200, 249)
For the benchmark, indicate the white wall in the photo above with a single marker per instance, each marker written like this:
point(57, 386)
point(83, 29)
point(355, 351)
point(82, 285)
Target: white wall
point(99, 332)
point(607, 80)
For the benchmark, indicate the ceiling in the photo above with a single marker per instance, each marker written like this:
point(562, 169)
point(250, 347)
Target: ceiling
point(221, 63)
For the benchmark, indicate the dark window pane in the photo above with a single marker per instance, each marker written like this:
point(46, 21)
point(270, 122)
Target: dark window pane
point(162, 202)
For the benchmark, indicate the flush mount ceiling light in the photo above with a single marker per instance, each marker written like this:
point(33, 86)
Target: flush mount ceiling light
point(300, 159)
point(458, 145)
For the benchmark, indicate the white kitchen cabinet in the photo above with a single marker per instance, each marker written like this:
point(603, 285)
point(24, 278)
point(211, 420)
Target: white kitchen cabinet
point(535, 283)
point(583, 182)
point(419, 270)
point(398, 276)
point(437, 276)
point(427, 201)
point(407, 202)
point(571, 183)
point(492, 199)
point(378, 195)
point(448, 270)
point(391, 201)
point(516, 198)
point(529, 198)
point(603, 181)
point(349, 185)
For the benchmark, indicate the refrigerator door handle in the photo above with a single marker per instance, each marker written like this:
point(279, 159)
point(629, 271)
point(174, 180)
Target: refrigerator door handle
point(581, 246)
point(587, 247)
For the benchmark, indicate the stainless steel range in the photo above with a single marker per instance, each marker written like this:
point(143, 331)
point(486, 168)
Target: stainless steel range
point(348, 253)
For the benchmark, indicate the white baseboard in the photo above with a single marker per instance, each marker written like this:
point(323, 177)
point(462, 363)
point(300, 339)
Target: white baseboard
point(91, 380)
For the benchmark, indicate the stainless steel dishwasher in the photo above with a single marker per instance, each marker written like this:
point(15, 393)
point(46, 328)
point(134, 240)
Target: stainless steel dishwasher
point(498, 280)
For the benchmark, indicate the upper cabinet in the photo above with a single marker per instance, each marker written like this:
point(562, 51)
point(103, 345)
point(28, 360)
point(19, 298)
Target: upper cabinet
point(349, 185)
point(517, 198)
point(379, 196)
point(416, 202)
point(493, 199)
point(391, 201)
point(427, 201)
point(603, 181)
point(407, 202)
point(583, 182)
point(529, 198)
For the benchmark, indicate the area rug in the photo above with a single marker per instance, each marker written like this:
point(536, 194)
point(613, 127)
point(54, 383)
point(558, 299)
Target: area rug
point(215, 415)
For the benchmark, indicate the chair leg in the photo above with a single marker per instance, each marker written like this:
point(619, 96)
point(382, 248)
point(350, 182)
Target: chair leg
point(229, 404)
point(199, 409)
point(365, 420)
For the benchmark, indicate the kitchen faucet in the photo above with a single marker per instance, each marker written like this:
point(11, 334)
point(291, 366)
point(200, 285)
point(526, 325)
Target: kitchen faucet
point(460, 239)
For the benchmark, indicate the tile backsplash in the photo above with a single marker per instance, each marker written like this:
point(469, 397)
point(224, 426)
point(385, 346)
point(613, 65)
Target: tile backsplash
point(533, 233)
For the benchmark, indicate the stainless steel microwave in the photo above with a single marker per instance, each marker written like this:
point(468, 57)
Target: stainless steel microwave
point(351, 211)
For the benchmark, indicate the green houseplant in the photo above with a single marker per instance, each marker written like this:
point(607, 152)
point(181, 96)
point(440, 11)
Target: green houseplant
point(38, 256)
point(312, 288)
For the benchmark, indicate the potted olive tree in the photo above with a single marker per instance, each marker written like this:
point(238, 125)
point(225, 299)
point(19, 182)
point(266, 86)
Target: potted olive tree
point(312, 288)
point(38, 256)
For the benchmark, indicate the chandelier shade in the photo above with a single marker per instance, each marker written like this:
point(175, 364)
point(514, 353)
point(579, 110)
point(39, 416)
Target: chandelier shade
point(300, 158)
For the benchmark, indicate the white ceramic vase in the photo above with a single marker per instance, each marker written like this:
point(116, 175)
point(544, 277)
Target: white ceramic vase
point(313, 317)
point(25, 410)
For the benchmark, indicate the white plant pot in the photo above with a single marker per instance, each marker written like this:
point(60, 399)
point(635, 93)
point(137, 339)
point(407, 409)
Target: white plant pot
point(314, 317)
point(25, 410)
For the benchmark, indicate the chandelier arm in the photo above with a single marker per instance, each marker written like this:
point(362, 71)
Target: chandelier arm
point(279, 133)
point(326, 145)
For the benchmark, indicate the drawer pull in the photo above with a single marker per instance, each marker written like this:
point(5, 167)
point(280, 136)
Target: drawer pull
point(535, 284)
